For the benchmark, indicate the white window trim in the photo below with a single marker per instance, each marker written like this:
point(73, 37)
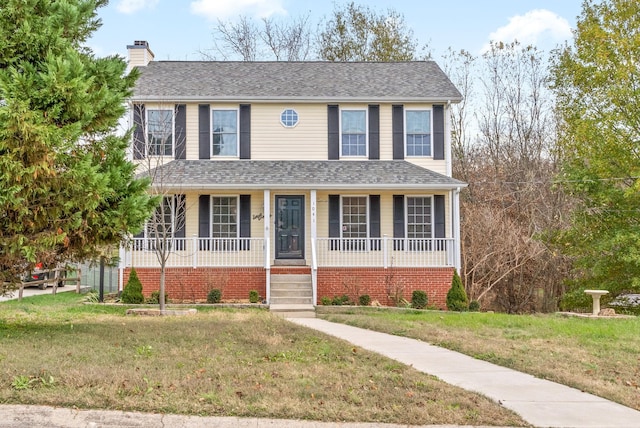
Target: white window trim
point(404, 136)
point(368, 214)
point(366, 133)
point(297, 120)
point(173, 131)
point(406, 215)
point(237, 110)
point(237, 215)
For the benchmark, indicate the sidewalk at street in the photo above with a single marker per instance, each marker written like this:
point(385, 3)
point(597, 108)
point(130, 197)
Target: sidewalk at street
point(540, 402)
point(18, 416)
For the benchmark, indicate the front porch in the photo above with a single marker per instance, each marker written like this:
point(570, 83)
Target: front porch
point(378, 267)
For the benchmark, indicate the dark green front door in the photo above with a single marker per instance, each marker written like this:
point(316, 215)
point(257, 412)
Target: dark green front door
point(289, 227)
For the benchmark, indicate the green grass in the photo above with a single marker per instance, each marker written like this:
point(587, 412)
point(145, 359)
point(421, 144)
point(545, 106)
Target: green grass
point(56, 350)
point(600, 356)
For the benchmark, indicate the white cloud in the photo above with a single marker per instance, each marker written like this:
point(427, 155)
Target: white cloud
point(535, 27)
point(223, 9)
point(131, 6)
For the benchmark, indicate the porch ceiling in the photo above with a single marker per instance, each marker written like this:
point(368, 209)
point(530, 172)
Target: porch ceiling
point(338, 174)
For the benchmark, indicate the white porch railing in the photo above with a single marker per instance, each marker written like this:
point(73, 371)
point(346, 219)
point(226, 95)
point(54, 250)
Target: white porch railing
point(385, 252)
point(325, 252)
point(198, 252)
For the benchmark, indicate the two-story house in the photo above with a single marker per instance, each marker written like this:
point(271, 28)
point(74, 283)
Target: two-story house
point(335, 176)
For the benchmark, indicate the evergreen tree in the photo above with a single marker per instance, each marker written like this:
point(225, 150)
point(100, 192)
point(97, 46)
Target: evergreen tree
point(456, 296)
point(132, 292)
point(67, 187)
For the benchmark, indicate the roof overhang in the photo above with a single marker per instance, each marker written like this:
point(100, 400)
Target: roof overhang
point(398, 175)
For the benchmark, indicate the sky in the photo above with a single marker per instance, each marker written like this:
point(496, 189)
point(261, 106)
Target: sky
point(181, 29)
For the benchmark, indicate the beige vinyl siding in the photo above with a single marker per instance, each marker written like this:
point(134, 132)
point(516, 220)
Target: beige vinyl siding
point(386, 132)
point(270, 140)
point(193, 150)
point(439, 166)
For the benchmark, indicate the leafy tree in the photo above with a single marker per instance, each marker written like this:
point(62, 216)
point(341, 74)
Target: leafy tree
point(456, 296)
point(357, 33)
point(67, 188)
point(598, 90)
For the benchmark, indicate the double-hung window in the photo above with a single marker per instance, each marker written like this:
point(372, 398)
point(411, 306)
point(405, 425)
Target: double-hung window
point(418, 132)
point(160, 125)
point(224, 222)
point(353, 131)
point(419, 222)
point(354, 222)
point(162, 228)
point(224, 132)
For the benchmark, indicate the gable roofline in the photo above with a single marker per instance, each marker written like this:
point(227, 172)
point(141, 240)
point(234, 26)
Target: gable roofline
point(415, 81)
point(307, 100)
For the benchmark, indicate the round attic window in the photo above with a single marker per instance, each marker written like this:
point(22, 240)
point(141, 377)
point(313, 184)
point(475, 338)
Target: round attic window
point(289, 118)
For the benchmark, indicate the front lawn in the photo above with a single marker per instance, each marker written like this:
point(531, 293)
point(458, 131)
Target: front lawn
point(56, 350)
point(600, 356)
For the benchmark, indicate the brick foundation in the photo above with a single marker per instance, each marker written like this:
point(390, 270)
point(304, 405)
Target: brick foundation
point(192, 285)
point(380, 283)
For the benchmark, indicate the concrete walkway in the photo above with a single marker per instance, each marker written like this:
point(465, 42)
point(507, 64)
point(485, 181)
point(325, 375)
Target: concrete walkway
point(541, 403)
point(19, 416)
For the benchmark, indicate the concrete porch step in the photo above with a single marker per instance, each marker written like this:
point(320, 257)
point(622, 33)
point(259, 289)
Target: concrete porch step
point(291, 292)
point(292, 300)
point(287, 278)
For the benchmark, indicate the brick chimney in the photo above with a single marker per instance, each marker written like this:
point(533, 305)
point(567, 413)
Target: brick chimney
point(139, 54)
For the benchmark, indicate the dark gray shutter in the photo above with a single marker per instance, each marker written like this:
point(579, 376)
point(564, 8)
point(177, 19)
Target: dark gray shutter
point(398, 221)
point(374, 132)
point(180, 133)
point(439, 214)
point(204, 131)
point(333, 118)
point(397, 119)
point(245, 221)
point(334, 216)
point(204, 220)
point(245, 131)
point(138, 131)
point(179, 209)
point(374, 221)
point(438, 132)
point(398, 216)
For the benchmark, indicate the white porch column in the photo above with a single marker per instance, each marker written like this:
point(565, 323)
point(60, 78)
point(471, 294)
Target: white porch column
point(267, 241)
point(447, 139)
point(122, 263)
point(455, 212)
point(314, 235)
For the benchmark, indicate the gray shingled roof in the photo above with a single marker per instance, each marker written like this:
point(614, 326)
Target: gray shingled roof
point(339, 81)
point(345, 175)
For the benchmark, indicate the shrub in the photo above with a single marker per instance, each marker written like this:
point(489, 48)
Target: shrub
point(419, 299)
point(456, 296)
point(155, 298)
point(325, 301)
point(254, 297)
point(132, 293)
point(214, 295)
point(364, 300)
point(340, 300)
point(474, 306)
